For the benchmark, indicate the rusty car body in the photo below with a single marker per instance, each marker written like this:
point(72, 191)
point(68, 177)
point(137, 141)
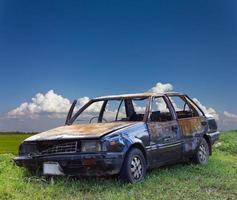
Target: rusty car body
point(124, 135)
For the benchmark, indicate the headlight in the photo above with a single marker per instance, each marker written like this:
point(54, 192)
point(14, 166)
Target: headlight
point(27, 148)
point(90, 146)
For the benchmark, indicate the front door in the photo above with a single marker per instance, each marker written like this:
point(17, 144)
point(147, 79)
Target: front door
point(165, 144)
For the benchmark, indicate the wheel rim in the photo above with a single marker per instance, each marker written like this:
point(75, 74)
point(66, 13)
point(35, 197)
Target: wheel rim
point(202, 153)
point(136, 168)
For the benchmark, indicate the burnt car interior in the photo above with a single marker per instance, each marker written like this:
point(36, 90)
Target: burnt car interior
point(183, 107)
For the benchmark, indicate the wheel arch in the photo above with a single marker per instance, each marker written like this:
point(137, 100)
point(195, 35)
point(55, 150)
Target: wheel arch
point(209, 143)
point(141, 148)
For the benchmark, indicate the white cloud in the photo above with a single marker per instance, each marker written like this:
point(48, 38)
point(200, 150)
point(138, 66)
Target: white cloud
point(95, 107)
point(230, 115)
point(49, 103)
point(209, 111)
point(42, 103)
point(82, 101)
point(228, 121)
point(160, 87)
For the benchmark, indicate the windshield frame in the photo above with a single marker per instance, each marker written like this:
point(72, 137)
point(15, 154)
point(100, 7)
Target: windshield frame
point(84, 107)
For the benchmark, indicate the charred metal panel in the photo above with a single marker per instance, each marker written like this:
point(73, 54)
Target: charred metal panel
point(79, 131)
point(146, 94)
point(165, 142)
point(100, 164)
point(161, 130)
point(137, 133)
point(190, 145)
point(191, 126)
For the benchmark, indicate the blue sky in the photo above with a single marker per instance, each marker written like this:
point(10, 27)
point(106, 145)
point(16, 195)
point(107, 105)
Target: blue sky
point(93, 48)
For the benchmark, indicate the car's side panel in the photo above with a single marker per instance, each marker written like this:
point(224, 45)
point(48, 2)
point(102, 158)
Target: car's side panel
point(136, 133)
point(193, 129)
point(133, 136)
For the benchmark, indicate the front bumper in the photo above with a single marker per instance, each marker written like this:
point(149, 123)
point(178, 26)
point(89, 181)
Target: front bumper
point(214, 136)
point(96, 164)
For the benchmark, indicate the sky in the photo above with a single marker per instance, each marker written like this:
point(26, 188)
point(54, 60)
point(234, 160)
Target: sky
point(57, 51)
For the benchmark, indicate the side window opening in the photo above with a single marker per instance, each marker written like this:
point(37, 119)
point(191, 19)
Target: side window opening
point(139, 105)
point(114, 111)
point(182, 107)
point(136, 108)
point(160, 111)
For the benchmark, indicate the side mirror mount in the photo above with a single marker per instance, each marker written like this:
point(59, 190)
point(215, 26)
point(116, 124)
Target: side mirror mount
point(69, 115)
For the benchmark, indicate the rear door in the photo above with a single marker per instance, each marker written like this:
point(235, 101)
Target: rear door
point(165, 144)
point(191, 121)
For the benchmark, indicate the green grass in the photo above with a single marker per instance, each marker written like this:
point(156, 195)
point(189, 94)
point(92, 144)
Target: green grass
point(217, 180)
point(9, 142)
point(228, 142)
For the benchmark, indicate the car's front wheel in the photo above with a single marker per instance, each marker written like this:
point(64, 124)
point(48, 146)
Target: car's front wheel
point(202, 154)
point(134, 166)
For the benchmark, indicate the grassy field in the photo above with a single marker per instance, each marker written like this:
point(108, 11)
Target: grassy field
point(217, 180)
point(9, 142)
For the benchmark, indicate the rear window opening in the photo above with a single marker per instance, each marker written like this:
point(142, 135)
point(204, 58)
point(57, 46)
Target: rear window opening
point(183, 107)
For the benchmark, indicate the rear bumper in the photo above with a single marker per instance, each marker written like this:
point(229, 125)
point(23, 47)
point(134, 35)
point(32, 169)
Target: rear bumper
point(214, 136)
point(98, 164)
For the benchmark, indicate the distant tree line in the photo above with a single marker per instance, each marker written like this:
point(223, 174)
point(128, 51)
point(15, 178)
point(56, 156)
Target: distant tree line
point(18, 132)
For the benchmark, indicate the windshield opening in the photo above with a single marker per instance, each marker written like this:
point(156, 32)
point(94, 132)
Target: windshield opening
point(112, 110)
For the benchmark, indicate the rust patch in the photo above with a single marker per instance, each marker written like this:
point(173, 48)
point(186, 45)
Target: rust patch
point(159, 130)
point(79, 130)
point(191, 126)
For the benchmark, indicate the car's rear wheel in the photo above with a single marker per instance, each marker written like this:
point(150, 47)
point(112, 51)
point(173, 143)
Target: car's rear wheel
point(134, 166)
point(202, 154)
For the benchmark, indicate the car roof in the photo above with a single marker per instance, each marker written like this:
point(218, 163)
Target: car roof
point(137, 95)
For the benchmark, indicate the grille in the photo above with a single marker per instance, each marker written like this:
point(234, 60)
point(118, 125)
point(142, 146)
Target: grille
point(69, 147)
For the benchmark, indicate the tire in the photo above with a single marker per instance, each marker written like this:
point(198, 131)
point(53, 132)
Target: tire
point(134, 167)
point(202, 154)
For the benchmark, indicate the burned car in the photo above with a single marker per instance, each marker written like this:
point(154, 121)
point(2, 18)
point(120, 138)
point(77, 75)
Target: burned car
point(123, 135)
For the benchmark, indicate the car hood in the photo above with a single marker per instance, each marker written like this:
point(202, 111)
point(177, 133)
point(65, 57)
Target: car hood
point(80, 131)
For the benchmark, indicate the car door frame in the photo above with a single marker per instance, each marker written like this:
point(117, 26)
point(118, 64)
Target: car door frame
point(161, 153)
point(193, 128)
